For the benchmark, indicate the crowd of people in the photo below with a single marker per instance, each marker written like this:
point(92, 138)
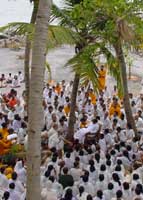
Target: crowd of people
point(102, 162)
point(12, 81)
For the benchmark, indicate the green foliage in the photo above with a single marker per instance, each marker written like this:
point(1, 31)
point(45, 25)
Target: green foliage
point(84, 64)
point(57, 35)
point(8, 159)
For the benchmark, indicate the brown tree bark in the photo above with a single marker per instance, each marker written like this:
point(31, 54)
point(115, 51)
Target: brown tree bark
point(72, 118)
point(35, 122)
point(127, 106)
point(27, 53)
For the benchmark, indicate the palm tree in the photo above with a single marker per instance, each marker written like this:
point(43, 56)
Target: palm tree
point(28, 50)
point(114, 23)
point(67, 19)
point(35, 100)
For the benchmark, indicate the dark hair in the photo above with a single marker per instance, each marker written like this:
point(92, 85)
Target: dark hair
point(2, 169)
point(101, 177)
point(52, 179)
point(110, 186)
point(91, 162)
point(119, 194)
point(6, 195)
point(81, 190)
point(119, 162)
point(12, 186)
point(92, 168)
point(99, 194)
point(68, 194)
point(103, 167)
point(68, 155)
point(126, 185)
point(118, 168)
point(116, 178)
point(112, 152)
point(108, 156)
point(97, 157)
point(85, 178)
point(89, 197)
point(135, 176)
point(48, 171)
point(65, 170)
point(108, 162)
point(14, 176)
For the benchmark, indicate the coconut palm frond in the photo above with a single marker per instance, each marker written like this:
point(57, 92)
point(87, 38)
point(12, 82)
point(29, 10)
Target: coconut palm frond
point(63, 15)
point(57, 35)
point(19, 28)
point(84, 64)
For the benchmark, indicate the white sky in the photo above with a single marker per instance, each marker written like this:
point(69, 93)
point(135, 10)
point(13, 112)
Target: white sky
point(16, 10)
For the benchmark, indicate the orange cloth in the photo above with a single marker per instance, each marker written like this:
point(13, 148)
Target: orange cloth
point(93, 98)
point(115, 108)
point(8, 172)
point(67, 110)
point(102, 79)
point(4, 132)
point(83, 125)
point(4, 147)
point(58, 89)
point(12, 102)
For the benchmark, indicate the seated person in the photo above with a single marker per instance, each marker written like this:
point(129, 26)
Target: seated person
point(9, 79)
point(3, 81)
point(4, 146)
point(20, 77)
point(15, 82)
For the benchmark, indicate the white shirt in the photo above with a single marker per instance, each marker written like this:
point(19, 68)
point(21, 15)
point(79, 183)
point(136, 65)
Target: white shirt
point(3, 181)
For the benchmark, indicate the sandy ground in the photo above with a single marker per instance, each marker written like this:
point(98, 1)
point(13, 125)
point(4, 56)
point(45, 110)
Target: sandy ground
point(10, 62)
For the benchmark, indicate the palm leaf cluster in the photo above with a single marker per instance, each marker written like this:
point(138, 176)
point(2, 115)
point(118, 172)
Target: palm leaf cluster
point(57, 35)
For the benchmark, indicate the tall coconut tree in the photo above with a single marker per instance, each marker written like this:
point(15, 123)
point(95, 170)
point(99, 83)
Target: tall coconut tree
point(113, 22)
point(35, 100)
point(28, 50)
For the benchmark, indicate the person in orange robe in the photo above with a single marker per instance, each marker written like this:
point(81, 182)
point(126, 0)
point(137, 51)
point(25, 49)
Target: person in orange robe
point(58, 89)
point(67, 109)
point(115, 108)
point(102, 77)
point(4, 131)
point(4, 146)
point(92, 96)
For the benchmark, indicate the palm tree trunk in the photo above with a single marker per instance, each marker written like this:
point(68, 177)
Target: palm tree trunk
point(35, 101)
point(72, 119)
point(121, 59)
point(27, 53)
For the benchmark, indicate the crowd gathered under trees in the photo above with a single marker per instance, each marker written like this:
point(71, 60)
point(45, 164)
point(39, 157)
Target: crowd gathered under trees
point(91, 148)
point(102, 161)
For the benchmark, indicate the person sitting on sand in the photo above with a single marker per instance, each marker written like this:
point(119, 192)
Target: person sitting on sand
point(20, 77)
point(3, 81)
point(9, 79)
point(15, 82)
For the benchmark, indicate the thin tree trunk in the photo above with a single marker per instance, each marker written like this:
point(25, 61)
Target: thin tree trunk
point(35, 101)
point(72, 118)
point(121, 59)
point(27, 53)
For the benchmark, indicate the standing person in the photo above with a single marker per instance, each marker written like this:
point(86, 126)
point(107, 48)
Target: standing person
point(66, 180)
point(102, 77)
